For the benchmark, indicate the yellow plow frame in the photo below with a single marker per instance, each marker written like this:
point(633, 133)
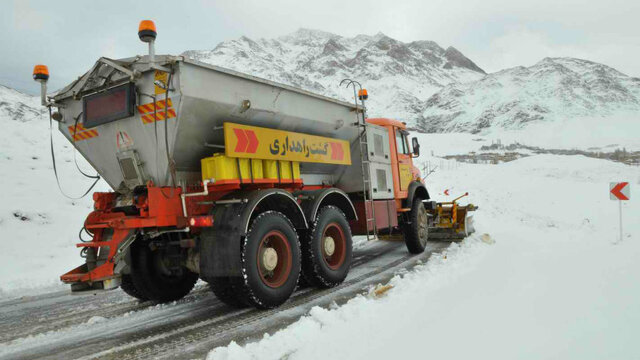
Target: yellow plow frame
point(451, 220)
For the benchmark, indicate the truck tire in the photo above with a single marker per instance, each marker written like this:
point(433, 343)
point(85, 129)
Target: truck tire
point(416, 230)
point(225, 289)
point(270, 261)
point(130, 289)
point(150, 279)
point(327, 249)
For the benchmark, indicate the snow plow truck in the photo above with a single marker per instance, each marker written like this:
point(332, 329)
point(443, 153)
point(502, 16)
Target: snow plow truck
point(244, 183)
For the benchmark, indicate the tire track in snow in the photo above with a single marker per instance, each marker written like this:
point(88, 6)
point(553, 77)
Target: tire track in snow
point(42, 314)
point(60, 315)
point(198, 339)
point(146, 330)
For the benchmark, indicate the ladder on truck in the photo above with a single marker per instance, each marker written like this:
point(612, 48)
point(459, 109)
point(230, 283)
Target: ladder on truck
point(370, 214)
point(361, 123)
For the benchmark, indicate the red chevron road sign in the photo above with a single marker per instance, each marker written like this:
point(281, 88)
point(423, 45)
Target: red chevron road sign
point(247, 141)
point(619, 191)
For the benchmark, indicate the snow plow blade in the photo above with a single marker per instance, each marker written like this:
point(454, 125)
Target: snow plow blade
point(451, 221)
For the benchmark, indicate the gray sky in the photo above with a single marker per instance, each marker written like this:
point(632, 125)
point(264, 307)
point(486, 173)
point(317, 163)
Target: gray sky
point(69, 36)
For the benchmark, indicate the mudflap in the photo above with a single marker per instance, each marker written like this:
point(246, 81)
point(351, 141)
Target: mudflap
point(220, 244)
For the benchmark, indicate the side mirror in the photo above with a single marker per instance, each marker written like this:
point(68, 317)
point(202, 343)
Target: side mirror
point(416, 146)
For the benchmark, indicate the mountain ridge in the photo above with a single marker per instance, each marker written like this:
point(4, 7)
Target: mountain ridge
point(399, 75)
point(553, 89)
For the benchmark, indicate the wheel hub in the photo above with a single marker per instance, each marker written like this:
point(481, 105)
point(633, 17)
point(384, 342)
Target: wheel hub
point(269, 259)
point(329, 245)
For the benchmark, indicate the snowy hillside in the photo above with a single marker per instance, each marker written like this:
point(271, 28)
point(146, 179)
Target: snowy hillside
point(17, 106)
point(551, 91)
point(551, 281)
point(399, 76)
point(38, 226)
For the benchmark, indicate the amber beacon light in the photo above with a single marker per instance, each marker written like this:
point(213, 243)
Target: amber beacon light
point(147, 33)
point(41, 75)
point(40, 72)
point(362, 94)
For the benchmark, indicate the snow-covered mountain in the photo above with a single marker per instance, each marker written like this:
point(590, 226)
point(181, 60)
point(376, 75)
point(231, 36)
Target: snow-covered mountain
point(399, 76)
point(432, 88)
point(554, 89)
point(16, 105)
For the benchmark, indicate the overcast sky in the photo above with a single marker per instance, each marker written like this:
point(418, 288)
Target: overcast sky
point(69, 36)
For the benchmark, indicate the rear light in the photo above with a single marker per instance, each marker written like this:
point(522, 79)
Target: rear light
point(201, 221)
point(109, 105)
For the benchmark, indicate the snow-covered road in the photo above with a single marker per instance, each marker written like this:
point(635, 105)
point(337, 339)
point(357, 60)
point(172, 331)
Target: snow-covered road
point(112, 325)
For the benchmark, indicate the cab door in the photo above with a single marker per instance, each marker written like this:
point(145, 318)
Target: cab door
point(404, 163)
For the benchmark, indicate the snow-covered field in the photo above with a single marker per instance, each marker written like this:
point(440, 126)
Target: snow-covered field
point(553, 280)
point(38, 225)
point(594, 134)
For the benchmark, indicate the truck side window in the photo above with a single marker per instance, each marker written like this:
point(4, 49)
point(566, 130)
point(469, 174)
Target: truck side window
point(400, 144)
point(405, 144)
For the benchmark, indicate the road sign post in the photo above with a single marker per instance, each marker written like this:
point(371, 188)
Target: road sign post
point(620, 191)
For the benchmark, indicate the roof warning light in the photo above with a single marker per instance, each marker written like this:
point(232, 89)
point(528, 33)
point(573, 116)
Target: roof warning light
point(147, 31)
point(40, 72)
point(362, 94)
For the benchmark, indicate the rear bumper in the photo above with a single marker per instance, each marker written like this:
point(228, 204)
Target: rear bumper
point(104, 269)
point(92, 287)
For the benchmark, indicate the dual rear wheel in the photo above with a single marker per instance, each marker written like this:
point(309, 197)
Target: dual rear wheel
point(156, 273)
point(273, 257)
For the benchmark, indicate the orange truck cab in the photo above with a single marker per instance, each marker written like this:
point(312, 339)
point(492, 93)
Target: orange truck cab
point(403, 170)
point(393, 214)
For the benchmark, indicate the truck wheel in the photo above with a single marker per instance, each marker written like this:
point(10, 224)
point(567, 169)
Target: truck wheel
point(225, 290)
point(327, 249)
point(270, 258)
point(416, 231)
point(151, 277)
point(130, 289)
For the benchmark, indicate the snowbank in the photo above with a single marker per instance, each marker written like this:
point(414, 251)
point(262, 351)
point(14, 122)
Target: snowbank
point(557, 282)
